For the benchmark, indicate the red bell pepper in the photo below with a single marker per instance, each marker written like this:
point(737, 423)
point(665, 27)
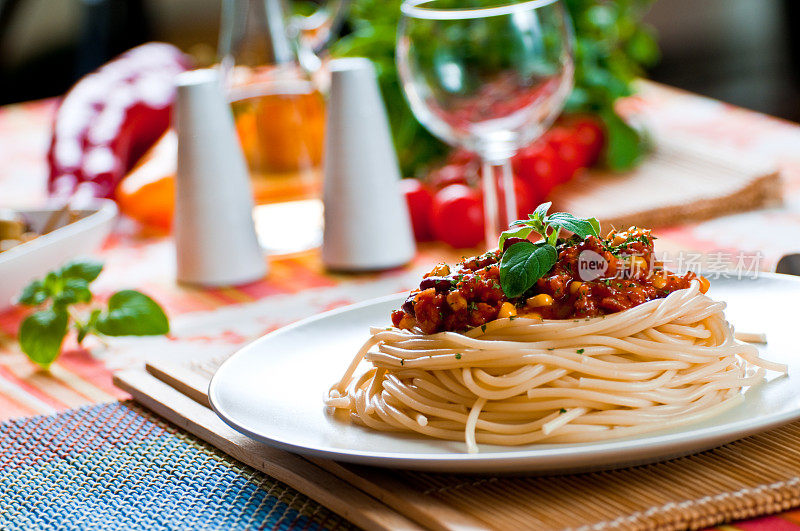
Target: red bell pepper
point(110, 117)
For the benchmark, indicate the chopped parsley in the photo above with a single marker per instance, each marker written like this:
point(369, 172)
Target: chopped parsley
point(562, 411)
point(616, 249)
point(512, 317)
point(458, 356)
point(402, 361)
point(483, 328)
point(580, 351)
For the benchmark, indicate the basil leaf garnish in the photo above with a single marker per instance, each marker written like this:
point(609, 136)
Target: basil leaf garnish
point(516, 232)
point(523, 264)
point(580, 227)
point(131, 313)
point(41, 335)
point(541, 210)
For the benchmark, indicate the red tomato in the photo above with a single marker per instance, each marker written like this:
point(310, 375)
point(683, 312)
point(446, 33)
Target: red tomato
point(573, 156)
point(447, 175)
point(539, 167)
point(526, 202)
point(462, 156)
point(420, 206)
point(590, 135)
point(526, 198)
point(458, 216)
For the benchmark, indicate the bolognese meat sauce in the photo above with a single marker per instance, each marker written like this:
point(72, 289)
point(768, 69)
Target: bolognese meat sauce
point(470, 295)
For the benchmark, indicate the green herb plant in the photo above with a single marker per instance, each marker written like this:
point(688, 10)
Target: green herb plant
point(612, 48)
point(523, 263)
point(61, 293)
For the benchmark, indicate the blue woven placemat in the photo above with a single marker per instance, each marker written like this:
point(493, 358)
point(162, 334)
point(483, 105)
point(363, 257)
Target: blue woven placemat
point(117, 466)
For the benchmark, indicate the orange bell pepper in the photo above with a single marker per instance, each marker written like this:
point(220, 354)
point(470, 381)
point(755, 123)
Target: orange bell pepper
point(147, 193)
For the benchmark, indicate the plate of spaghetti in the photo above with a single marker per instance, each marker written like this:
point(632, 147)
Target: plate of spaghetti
point(561, 350)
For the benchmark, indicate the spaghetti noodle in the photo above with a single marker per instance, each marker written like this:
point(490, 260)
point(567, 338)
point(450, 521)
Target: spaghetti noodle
point(519, 380)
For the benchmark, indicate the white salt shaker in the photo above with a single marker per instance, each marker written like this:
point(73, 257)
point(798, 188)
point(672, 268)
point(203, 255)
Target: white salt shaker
point(215, 238)
point(367, 225)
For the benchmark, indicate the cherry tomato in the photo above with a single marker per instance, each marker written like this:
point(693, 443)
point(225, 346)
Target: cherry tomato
point(420, 207)
point(573, 156)
point(590, 135)
point(526, 201)
point(458, 216)
point(447, 175)
point(539, 167)
point(462, 156)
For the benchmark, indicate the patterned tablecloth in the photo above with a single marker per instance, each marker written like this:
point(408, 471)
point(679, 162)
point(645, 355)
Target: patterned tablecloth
point(214, 322)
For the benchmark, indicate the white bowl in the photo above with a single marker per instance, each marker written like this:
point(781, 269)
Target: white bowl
point(28, 261)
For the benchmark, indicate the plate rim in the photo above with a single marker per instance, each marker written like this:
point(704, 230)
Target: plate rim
point(699, 439)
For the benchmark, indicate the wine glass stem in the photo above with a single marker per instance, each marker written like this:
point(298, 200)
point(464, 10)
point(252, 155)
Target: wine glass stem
point(497, 219)
point(509, 193)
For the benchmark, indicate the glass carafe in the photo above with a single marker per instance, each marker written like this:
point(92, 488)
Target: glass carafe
point(269, 63)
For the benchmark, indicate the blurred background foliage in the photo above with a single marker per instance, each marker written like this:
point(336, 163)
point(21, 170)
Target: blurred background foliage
point(612, 47)
point(741, 51)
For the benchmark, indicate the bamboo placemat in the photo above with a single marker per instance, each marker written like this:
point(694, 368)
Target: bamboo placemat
point(754, 476)
point(680, 181)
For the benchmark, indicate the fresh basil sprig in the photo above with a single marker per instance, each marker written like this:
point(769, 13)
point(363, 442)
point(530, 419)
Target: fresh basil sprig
point(129, 313)
point(523, 263)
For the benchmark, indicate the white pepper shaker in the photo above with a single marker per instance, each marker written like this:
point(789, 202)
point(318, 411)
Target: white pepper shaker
point(215, 237)
point(367, 225)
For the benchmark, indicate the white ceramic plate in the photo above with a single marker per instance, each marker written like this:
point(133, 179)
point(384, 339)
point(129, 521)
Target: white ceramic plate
point(23, 263)
point(272, 391)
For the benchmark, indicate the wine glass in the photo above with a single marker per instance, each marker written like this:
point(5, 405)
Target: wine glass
point(489, 76)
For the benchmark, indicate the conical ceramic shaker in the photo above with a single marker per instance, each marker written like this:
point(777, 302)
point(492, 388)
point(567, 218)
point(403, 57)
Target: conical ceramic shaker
point(367, 225)
point(215, 238)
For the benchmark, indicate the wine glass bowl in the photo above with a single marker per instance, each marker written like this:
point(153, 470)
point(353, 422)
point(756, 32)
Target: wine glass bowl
point(486, 76)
